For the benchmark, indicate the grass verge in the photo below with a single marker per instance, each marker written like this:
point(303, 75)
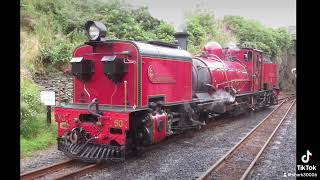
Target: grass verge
point(43, 140)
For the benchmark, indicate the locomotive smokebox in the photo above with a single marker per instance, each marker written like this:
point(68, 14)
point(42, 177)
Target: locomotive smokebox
point(182, 39)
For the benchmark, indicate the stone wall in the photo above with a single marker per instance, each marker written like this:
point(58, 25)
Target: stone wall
point(61, 84)
point(287, 80)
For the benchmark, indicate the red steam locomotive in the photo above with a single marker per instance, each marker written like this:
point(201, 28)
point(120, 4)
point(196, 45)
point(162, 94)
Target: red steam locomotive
point(130, 94)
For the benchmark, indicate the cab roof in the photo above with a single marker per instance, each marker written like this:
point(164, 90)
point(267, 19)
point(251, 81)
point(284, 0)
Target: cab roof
point(152, 49)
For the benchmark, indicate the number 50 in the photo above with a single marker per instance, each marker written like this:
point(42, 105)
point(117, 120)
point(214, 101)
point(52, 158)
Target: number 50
point(118, 123)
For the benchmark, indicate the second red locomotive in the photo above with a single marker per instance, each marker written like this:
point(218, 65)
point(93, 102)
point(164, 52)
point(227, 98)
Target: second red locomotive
point(130, 94)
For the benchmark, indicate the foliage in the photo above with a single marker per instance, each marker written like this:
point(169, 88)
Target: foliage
point(253, 34)
point(203, 28)
point(32, 111)
point(34, 132)
point(30, 53)
point(60, 25)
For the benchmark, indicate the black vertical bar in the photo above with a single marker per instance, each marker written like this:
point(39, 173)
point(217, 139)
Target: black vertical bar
point(49, 115)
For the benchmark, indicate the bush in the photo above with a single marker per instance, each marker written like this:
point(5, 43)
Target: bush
point(57, 54)
point(253, 34)
point(32, 111)
point(203, 28)
point(34, 132)
point(30, 57)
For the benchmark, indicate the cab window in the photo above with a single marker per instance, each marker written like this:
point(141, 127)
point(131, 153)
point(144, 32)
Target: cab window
point(257, 60)
point(248, 56)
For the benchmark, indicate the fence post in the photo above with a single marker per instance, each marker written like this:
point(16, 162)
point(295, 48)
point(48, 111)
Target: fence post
point(49, 115)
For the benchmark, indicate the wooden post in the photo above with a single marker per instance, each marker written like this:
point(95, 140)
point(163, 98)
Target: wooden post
point(49, 115)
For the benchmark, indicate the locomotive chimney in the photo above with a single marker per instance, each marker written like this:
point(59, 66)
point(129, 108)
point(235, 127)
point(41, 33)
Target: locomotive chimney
point(182, 39)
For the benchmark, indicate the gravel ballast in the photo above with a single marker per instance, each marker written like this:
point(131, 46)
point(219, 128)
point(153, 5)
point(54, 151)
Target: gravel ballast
point(279, 158)
point(42, 159)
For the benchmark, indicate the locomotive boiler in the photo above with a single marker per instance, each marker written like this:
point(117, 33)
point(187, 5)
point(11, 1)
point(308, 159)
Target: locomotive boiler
point(130, 94)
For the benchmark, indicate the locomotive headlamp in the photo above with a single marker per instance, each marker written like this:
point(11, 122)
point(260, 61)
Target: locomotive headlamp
point(96, 31)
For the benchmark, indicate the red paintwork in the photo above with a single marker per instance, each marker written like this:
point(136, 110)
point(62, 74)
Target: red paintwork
point(255, 72)
point(158, 136)
point(228, 74)
point(177, 84)
point(266, 72)
point(168, 80)
point(64, 116)
point(99, 85)
point(270, 74)
point(159, 77)
point(213, 48)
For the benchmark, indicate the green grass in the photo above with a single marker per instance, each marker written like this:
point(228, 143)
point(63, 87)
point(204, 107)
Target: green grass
point(34, 132)
point(42, 141)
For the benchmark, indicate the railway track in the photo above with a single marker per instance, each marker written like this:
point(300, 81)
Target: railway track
point(238, 162)
point(64, 170)
point(286, 97)
point(70, 169)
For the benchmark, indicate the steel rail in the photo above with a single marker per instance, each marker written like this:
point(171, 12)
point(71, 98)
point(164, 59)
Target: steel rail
point(248, 170)
point(80, 171)
point(286, 97)
point(224, 157)
point(43, 171)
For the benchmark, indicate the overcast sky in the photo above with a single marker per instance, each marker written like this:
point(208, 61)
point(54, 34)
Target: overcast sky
point(272, 13)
